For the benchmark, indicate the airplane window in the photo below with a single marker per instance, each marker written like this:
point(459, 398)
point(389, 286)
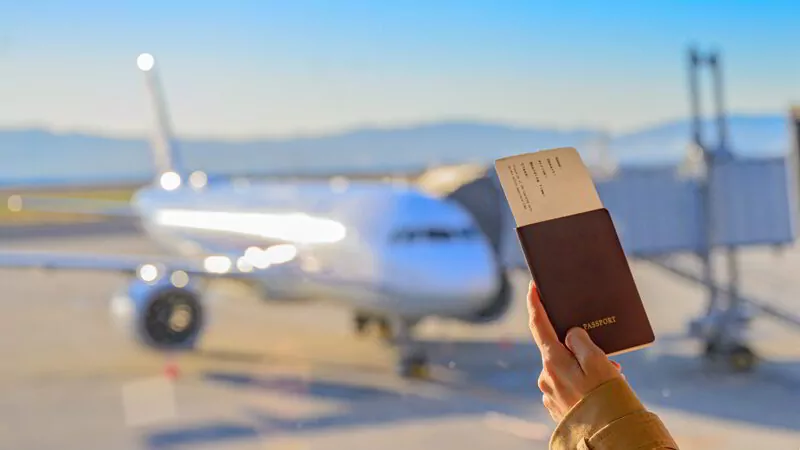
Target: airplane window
point(435, 234)
point(439, 234)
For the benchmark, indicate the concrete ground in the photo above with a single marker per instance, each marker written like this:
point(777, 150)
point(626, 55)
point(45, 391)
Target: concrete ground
point(278, 376)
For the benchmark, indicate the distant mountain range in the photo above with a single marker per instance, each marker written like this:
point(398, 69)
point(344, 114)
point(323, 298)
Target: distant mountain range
point(748, 136)
point(39, 156)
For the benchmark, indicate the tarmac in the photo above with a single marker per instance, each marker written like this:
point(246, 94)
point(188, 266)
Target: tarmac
point(294, 376)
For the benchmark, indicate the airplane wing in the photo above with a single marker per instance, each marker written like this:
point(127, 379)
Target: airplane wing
point(212, 267)
point(70, 205)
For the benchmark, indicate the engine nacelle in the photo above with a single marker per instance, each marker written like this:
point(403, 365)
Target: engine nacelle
point(497, 307)
point(160, 315)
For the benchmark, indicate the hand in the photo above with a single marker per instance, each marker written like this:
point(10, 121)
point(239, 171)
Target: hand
point(568, 372)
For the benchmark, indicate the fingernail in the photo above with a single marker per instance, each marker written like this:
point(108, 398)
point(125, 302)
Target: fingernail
point(571, 341)
point(575, 337)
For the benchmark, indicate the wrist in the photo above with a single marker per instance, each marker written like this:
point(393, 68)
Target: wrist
point(610, 401)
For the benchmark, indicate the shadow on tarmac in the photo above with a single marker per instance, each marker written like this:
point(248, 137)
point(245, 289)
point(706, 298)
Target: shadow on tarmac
point(501, 378)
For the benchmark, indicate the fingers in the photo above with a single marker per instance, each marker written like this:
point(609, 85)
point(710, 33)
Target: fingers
point(544, 384)
point(550, 406)
point(541, 328)
point(589, 356)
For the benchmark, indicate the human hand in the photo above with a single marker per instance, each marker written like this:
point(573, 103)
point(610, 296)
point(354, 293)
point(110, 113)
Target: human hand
point(568, 372)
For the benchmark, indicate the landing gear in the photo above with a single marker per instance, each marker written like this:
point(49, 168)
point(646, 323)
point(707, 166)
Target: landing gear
point(360, 323)
point(414, 365)
point(160, 316)
point(412, 361)
point(171, 319)
point(368, 325)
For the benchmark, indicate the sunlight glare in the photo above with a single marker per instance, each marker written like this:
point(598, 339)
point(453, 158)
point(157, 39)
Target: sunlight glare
point(145, 62)
point(170, 181)
point(217, 264)
point(148, 273)
point(243, 265)
point(179, 279)
point(198, 179)
point(282, 253)
point(15, 203)
point(293, 227)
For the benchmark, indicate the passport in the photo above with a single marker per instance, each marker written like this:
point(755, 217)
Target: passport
point(573, 250)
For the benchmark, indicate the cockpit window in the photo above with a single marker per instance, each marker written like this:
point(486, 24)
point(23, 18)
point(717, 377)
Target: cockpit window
point(434, 234)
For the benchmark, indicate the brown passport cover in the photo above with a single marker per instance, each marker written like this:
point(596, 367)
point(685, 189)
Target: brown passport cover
point(577, 261)
point(583, 276)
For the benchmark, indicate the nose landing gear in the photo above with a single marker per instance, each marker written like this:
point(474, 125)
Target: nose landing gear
point(414, 365)
point(412, 360)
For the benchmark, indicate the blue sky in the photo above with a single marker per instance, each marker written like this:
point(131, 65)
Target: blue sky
point(258, 68)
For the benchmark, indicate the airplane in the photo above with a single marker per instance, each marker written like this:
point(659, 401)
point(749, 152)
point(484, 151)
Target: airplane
point(391, 254)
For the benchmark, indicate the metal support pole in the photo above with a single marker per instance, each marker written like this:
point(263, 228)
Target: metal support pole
point(723, 326)
point(795, 153)
point(705, 254)
point(719, 102)
point(734, 305)
point(694, 97)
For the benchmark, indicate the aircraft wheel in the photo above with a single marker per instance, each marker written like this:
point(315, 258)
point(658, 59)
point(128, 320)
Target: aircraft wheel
point(360, 323)
point(373, 326)
point(365, 325)
point(384, 330)
point(414, 367)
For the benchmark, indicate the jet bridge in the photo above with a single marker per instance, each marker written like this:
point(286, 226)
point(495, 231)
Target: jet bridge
point(666, 213)
point(715, 202)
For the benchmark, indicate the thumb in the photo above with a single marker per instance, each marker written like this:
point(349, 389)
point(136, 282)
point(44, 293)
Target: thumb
point(586, 352)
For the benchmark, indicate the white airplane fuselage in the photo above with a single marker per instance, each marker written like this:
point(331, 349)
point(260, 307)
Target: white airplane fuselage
point(374, 247)
point(391, 254)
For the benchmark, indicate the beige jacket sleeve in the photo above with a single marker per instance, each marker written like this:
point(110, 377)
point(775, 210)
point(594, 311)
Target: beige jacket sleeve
point(611, 417)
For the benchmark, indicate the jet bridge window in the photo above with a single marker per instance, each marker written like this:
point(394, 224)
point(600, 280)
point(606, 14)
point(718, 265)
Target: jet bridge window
point(434, 234)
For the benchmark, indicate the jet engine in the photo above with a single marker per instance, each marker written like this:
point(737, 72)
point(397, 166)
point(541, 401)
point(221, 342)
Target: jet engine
point(497, 306)
point(159, 314)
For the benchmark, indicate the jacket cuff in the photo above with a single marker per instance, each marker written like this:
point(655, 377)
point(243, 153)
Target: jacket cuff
point(610, 417)
point(641, 430)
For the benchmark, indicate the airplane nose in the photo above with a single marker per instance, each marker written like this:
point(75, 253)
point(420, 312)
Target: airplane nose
point(471, 277)
point(455, 279)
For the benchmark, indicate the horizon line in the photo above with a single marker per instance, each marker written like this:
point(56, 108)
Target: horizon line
point(399, 126)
